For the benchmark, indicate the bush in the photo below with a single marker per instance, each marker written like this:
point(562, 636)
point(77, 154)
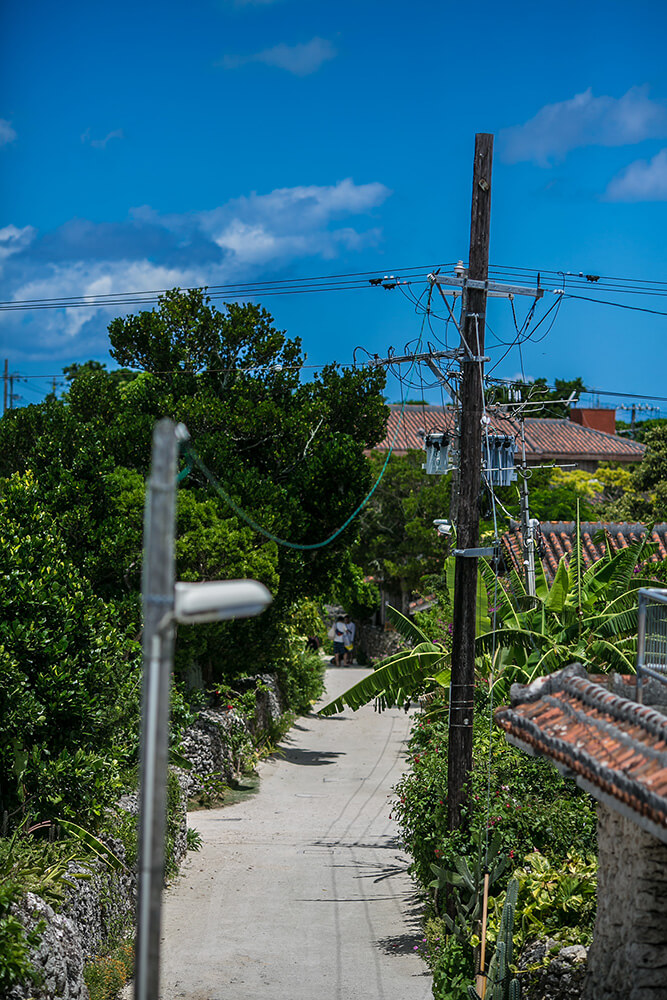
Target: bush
point(542, 825)
point(106, 975)
point(69, 675)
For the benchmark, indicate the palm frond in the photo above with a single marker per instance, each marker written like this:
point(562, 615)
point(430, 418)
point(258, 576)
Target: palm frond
point(621, 624)
point(504, 637)
point(506, 608)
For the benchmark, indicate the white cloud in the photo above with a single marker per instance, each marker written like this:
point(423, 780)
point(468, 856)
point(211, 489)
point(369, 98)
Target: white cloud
point(585, 120)
point(7, 133)
point(13, 240)
point(102, 143)
point(301, 60)
point(246, 238)
point(290, 219)
point(643, 180)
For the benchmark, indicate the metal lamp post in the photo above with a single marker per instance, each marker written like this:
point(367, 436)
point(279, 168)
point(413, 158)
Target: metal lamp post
point(164, 604)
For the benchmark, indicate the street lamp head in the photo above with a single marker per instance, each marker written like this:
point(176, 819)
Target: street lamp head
point(219, 600)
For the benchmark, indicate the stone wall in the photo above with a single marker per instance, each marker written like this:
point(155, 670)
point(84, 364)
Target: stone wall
point(94, 911)
point(558, 977)
point(628, 957)
point(375, 643)
point(97, 909)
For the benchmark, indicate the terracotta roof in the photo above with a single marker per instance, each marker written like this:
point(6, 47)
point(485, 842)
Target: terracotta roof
point(546, 439)
point(558, 537)
point(616, 748)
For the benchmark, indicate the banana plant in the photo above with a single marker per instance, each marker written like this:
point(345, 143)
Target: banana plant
point(587, 616)
point(397, 678)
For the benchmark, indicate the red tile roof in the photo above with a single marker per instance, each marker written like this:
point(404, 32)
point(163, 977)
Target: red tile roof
point(557, 540)
point(616, 748)
point(546, 440)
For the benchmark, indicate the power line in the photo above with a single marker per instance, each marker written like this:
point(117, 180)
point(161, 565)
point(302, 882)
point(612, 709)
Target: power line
point(387, 278)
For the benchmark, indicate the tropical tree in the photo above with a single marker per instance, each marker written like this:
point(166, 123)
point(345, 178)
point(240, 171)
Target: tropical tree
point(288, 453)
point(398, 544)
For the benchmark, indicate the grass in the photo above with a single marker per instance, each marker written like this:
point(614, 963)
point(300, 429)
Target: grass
point(225, 793)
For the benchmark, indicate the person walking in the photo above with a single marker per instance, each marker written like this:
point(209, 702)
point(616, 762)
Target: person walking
point(339, 638)
point(350, 632)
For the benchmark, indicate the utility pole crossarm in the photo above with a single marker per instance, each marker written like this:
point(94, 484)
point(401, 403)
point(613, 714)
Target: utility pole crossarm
point(492, 288)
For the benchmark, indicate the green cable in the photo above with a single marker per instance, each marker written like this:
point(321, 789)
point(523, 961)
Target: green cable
point(263, 531)
point(192, 454)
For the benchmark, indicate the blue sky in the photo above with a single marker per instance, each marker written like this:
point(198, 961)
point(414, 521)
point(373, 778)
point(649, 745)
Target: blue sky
point(146, 145)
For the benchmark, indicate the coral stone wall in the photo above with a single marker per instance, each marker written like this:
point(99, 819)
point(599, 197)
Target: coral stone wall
point(628, 957)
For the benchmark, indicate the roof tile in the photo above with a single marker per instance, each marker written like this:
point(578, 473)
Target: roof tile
point(612, 744)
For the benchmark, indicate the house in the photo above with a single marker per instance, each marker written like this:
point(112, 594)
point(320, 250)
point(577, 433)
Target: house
point(584, 439)
point(616, 749)
point(556, 539)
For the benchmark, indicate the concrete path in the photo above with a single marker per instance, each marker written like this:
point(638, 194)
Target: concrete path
point(300, 892)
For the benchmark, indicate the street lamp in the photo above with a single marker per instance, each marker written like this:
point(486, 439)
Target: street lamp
point(219, 600)
point(164, 604)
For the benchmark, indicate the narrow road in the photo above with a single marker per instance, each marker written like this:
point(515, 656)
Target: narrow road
point(301, 891)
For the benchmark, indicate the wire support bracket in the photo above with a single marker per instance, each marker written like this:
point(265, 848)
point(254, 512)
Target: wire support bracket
point(428, 356)
point(486, 550)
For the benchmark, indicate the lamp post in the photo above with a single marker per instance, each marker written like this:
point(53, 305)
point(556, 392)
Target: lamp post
point(164, 604)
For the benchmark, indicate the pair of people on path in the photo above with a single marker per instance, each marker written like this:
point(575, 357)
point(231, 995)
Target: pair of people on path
point(343, 641)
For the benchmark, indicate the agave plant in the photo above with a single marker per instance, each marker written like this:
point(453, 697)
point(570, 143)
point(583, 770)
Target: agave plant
point(397, 678)
point(587, 617)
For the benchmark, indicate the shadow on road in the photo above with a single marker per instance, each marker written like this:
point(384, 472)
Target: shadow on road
point(311, 758)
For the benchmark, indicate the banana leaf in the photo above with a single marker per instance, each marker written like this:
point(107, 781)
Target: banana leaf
point(407, 629)
point(395, 678)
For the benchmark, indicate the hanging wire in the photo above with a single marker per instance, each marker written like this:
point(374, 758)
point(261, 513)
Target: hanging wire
point(300, 546)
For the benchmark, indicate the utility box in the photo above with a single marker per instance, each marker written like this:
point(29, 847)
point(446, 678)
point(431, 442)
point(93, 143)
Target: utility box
point(437, 454)
point(498, 459)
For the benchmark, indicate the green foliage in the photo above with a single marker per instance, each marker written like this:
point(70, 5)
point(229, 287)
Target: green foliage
point(398, 543)
point(276, 443)
point(587, 617)
point(67, 668)
point(555, 899)
point(520, 803)
point(193, 839)
point(500, 983)
point(106, 974)
point(301, 678)
point(15, 944)
point(530, 804)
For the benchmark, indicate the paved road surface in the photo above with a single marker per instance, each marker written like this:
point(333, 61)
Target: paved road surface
point(301, 892)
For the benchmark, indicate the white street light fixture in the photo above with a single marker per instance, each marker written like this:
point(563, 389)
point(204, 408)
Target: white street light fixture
point(219, 600)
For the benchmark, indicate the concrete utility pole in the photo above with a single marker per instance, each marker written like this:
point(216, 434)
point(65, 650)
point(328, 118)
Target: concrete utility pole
point(158, 639)
point(470, 451)
point(527, 525)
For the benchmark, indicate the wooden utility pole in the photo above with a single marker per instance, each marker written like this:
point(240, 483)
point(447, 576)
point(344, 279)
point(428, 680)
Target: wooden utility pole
point(6, 380)
point(470, 458)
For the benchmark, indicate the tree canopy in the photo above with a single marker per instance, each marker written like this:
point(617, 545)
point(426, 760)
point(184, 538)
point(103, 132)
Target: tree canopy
point(289, 452)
